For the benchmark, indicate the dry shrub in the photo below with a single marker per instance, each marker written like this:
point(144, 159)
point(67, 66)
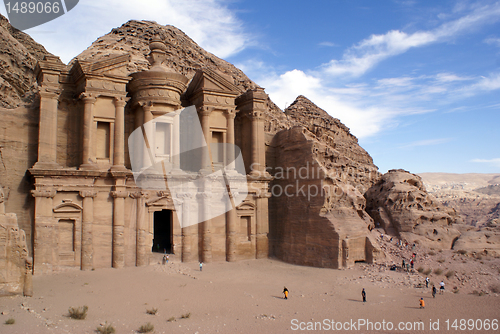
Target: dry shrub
point(79, 313)
point(152, 311)
point(495, 288)
point(146, 328)
point(420, 269)
point(440, 260)
point(431, 253)
point(10, 321)
point(171, 319)
point(449, 273)
point(186, 316)
point(427, 271)
point(106, 329)
point(438, 271)
point(462, 251)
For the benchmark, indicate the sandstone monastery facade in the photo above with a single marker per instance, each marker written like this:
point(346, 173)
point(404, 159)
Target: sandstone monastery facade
point(90, 213)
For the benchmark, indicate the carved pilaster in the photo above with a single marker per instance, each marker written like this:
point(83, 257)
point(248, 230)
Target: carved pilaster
point(87, 256)
point(119, 142)
point(88, 122)
point(119, 228)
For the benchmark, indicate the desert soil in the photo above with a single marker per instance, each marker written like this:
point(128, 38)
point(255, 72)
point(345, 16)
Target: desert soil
point(240, 297)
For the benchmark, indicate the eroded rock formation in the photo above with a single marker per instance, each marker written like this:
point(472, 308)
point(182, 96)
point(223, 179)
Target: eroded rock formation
point(318, 213)
point(15, 266)
point(400, 205)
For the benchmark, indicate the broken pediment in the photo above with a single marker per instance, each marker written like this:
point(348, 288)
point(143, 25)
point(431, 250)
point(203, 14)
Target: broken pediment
point(68, 207)
point(209, 80)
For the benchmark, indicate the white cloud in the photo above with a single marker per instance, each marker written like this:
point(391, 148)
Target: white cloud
point(363, 56)
point(493, 41)
point(427, 142)
point(209, 23)
point(494, 162)
point(329, 44)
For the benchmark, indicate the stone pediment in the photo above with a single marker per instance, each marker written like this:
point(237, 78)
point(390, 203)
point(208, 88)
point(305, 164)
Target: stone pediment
point(114, 66)
point(209, 80)
point(68, 207)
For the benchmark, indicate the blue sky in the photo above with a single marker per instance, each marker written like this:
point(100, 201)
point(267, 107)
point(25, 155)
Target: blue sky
point(418, 82)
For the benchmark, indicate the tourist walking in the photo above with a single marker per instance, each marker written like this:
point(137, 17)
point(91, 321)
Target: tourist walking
point(434, 290)
point(285, 292)
point(441, 289)
point(427, 280)
point(201, 266)
point(363, 294)
point(422, 303)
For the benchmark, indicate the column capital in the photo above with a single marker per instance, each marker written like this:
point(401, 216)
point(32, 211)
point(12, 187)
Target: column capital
point(119, 194)
point(49, 92)
point(230, 113)
point(185, 196)
point(88, 97)
point(49, 193)
point(204, 110)
point(146, 105)
point(121, 101)
point(88, 193)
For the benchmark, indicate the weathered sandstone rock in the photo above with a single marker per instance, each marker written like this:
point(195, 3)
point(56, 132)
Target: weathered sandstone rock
point(15, 267)
point(400, 205)
point(318, 213)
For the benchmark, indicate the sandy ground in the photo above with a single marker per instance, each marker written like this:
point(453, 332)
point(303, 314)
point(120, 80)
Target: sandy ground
point(241, 297)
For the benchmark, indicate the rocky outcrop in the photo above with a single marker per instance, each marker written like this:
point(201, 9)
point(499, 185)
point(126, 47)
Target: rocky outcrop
point(15, 266)
point(19, 54)
point(400, 205)
point(483, 240)
point(318, 215)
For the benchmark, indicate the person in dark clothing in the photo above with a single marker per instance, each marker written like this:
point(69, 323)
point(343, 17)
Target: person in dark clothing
point(434, 291)
point(285, 292)
point(363, 294)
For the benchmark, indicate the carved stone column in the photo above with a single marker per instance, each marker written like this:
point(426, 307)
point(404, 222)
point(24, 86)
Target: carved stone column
point(44, 234)
point(230, 115)
point(189, 235)
point(47, 129)
point(206, 242)
point(142, 250)
point(118, 228)
point(205, 127)
point(88, 126)
point(258, 147)
point(119, 143)
point(262, 225)
point(231, 221)
point(148, 158)
point(87, 262)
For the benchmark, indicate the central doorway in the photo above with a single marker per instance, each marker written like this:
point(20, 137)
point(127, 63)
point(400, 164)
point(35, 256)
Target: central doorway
point(162, 238)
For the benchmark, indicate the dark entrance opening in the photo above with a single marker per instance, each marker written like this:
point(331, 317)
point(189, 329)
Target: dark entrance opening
point(162, 239)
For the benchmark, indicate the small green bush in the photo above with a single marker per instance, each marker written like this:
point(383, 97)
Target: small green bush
point(171, 319)
point(146, 328)
point(186, 316)
point(79, 313)
point(438, 271)
point(106, 329)
point(420, 269)
point(427, 271)
point(10, 321)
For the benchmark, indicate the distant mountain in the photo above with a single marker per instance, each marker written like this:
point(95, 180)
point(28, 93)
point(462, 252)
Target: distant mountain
point(475, 196)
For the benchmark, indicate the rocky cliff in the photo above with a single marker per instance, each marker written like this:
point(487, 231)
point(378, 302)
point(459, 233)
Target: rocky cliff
point(320, 174)
point(19, 54)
